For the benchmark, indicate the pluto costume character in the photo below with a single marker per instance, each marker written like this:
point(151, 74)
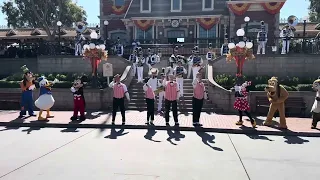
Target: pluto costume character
point(79, 102)
point(316, 105)
point(45, 100)
point(277, 95)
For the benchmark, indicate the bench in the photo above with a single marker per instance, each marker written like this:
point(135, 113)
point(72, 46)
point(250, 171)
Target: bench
point(10, 101)
point(294, 106)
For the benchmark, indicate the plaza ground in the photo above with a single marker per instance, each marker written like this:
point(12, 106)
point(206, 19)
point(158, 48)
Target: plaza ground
point(148, 154)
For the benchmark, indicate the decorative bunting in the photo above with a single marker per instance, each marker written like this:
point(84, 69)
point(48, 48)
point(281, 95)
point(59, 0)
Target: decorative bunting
point(208, 23)
point(119, 10)
point(143, 24)
point(272, 7)
point(240, 8)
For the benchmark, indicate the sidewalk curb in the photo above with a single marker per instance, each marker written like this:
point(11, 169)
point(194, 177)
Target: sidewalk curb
point(247, 131)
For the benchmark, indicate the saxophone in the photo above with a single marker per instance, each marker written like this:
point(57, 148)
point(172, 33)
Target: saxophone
point(160, 88)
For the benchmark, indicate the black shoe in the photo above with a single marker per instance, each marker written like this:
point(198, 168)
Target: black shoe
point(167, 124)
point(176, 124)
point(147, 123)
point(123, 123)
point(73, 118)
point(112, 122)
point(82, 118)
point(33, 115)
point(21, 116)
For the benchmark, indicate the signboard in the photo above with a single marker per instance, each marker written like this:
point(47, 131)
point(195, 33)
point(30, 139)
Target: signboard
point(107, 70)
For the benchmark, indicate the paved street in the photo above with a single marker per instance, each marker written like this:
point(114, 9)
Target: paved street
point(115, 154)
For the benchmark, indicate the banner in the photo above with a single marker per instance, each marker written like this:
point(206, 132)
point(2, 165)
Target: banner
point(208, 23)
point(119, 10)
point(144, 24)
point(272, 7)
point(240, 8)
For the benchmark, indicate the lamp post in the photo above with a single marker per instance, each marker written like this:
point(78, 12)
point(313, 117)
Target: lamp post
point(240, 51)
point(246, 20)
point(304, 34)
point(59, 24)
point(106, 23)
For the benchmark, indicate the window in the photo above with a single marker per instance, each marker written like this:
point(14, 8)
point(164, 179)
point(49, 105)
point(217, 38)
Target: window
point(119, 2)
point(176, 34)
point(145, 6)
point(206, 35)
point(176, 5)
point(121, 35)
point(207, 5)
point(144, 35)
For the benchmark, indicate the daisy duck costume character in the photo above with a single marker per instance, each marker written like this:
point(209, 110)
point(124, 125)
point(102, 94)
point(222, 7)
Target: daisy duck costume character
point(78, 99)
point(45, 100)
point(27, 86)
point(315, 110)
point(241, 103)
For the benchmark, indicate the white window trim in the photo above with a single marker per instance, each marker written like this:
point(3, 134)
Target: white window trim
point(179, 10)
point(207, 9)
point(141, 7)
point(144, 32)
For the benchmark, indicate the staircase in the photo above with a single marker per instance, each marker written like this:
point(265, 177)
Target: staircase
point(138, 100)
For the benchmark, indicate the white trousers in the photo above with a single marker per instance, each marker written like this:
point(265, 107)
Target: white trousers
point(78, 50)
point(140, 73)
point(189, 71)
point(262, 46)
point(180, 84)
point(284, 45)
point(161, 98)
point(195, 70)
point(134, 69)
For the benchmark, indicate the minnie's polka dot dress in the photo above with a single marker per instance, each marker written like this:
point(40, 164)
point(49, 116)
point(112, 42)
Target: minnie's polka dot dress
point(242, 103)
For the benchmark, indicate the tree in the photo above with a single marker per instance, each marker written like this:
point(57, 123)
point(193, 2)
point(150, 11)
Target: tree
point(42, 14)
point(314, 11)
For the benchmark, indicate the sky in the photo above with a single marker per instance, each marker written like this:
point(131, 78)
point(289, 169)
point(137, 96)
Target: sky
point(298, 8)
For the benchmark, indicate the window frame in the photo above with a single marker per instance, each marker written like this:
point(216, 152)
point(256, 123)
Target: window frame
point(198, 34)
point(114, 2)
point(144, 32)
point(141, 7)
point(204, 6)
point(174, 10)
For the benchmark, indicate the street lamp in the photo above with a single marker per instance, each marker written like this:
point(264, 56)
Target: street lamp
point(59, 24)
point(304, 34)
point(246, 20)
point(106, 23)
point(240, 51)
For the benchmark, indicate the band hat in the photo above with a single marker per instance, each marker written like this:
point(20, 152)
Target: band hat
point(117, 75)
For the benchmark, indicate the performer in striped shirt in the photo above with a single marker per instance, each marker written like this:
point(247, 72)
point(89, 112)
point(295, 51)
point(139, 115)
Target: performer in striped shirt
point(149, 95)
point(119, 91)
point(199, 94)
point(171, 97)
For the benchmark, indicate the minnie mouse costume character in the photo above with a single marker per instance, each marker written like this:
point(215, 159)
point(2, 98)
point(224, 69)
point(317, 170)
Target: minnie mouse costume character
point(78, 99)
point(241, 103)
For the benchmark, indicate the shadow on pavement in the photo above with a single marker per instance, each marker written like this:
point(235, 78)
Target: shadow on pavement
point(17, 120)
point(115, 134)
point(174, 134)
point(71, 129)
point(150, 133)
point(254, 134)
point(294, 139)
point(30, 129)
point(207, 138)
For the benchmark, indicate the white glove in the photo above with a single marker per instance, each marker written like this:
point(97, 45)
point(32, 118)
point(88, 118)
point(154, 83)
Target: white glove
point(72, 89)
point(32, 87)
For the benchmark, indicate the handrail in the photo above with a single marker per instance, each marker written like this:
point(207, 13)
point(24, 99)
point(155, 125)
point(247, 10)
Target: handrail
point(211, 79)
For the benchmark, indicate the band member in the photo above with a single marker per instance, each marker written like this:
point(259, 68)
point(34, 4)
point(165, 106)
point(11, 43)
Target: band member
point(150, 97)
point(196, 62)
point(159, 53)
point(135, 44)
point(286, 34)
point(119, 91)
point(262, 38)
point(178, 72)
point(79, 102)
point(152, 59)
point(173, 58)
point(27, 86)
point(224, 48)
point(199, 95)
point(190, 64)
point(153, 81)
point(140, 62)
point(160, 92)
point(119, 47)
point(210, 54)
point(133, 58)
point(78, 44)
point(171, 97)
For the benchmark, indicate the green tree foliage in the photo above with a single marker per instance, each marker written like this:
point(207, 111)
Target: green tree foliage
point(314, 11)
point(42, 14)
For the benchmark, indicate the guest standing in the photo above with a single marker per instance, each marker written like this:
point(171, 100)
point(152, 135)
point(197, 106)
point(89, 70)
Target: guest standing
point(171, 97)
point(199, 94)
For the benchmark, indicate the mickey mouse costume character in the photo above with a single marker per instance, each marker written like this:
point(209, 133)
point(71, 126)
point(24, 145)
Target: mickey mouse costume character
point(78, 98)
point(241, 103)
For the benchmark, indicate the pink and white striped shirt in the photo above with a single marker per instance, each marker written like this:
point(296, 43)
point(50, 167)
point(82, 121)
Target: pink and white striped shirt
point(119, 90)
point(149, 93)
point(171, 91)
point(198, 89)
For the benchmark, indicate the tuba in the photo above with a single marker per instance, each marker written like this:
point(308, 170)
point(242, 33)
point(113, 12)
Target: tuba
point(292, 22)
point(153, 71)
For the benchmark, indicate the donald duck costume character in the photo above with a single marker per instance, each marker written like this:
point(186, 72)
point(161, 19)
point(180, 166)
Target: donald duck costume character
point(27, 86)
point(79, 102)
point(45, 100)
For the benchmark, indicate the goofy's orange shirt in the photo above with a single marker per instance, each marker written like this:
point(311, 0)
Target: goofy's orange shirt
point(25, 87)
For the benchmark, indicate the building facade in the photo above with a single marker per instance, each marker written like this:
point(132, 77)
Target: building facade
point(201, 21)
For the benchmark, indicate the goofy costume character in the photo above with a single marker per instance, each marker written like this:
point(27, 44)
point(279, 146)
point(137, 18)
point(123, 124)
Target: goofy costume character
point(78, 99)
point(27, 86)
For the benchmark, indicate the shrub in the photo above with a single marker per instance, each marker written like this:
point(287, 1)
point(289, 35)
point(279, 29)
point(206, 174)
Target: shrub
point(10, 84)
point(260, 87)
point(304, 87)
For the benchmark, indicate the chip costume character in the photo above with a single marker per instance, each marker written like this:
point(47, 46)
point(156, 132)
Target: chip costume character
point(27, 86)
point(315, 110)
point(262, 38)
point(79, 102)
point(277, 95)
point(45, 100)
point(241, 103)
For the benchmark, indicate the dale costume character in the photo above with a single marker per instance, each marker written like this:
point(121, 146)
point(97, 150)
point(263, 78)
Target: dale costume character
point(173, 58)
point(140, 62)
point(179, 71)
point(196, 63)
point(118, 47)
point(79, 102)
point(27, 86)
point(241, 103)
point(133, 59)
point(286, 35)
point(277, 95)
point(262, 38)
point(210, 54)
point(315, 110)
point(45, 100)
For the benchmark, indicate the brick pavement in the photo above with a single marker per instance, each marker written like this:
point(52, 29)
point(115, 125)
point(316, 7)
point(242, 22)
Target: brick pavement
point(136, 120)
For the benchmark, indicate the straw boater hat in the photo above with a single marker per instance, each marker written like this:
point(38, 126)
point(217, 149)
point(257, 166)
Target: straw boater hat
point(154, 71)
point(176, 48)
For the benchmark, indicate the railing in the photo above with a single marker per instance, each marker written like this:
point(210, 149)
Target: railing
point(90, 25)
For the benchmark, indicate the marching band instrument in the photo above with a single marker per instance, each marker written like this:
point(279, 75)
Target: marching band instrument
point(179, 71)
point(185, 60)
point(160, 88)
point(153, 71)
